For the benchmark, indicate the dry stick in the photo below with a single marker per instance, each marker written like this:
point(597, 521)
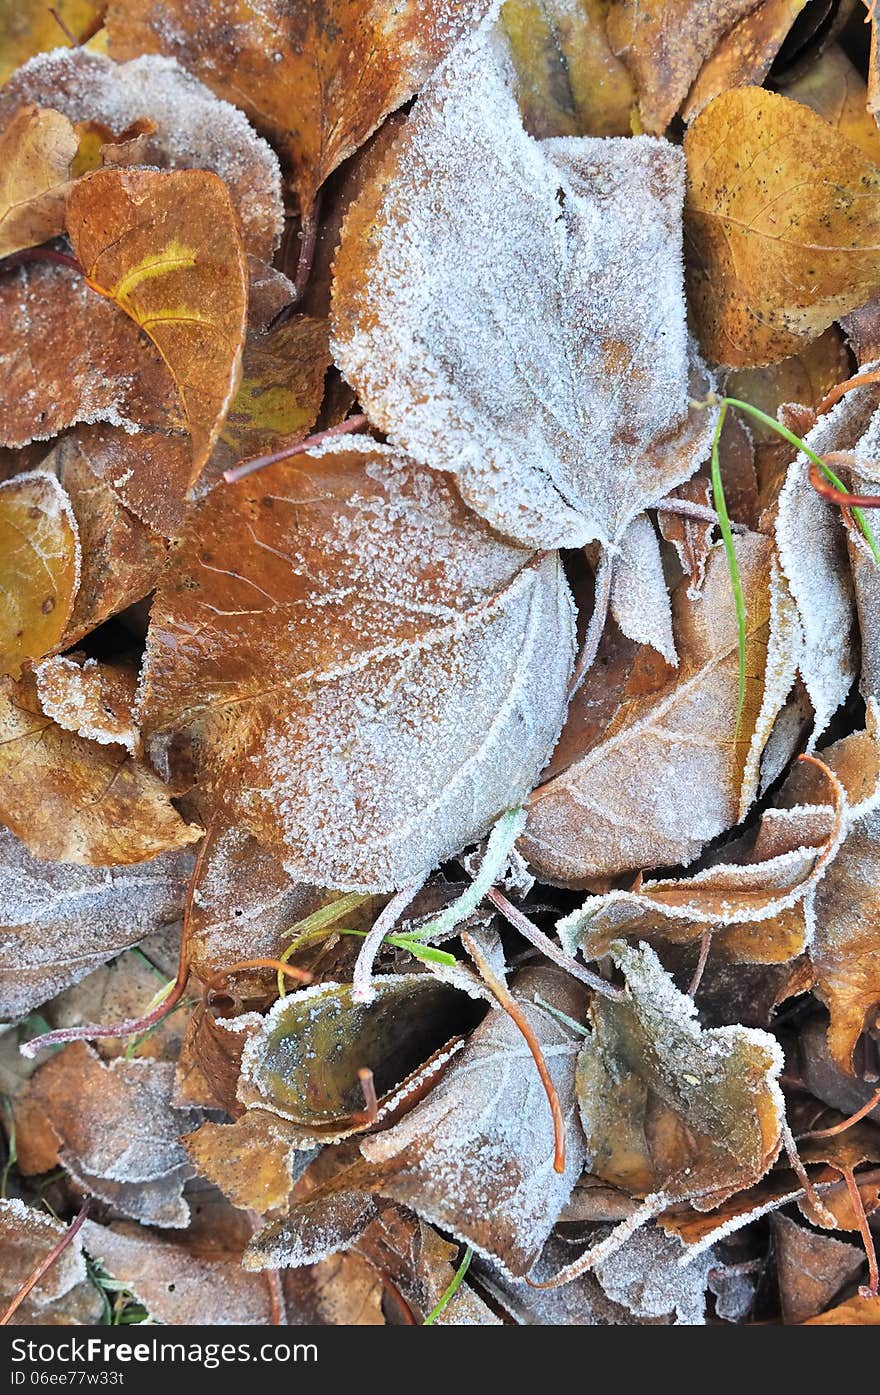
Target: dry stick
point(38, 254)
point(506, 1000)
point(530, 932)
point(845, 1123)
point(301, 975)
point(650, 1207)
point(66, 31)
point(258, 462)
point(277, 1306)
point(840, 497)
point(308, 238)
point(601, 602)
point(705, 943)
point(45, 1263)
point(797, 1167)
point(839, 389)
point(702, 513)
point(368, 1085)
point(362, 979)
point(858, 1206)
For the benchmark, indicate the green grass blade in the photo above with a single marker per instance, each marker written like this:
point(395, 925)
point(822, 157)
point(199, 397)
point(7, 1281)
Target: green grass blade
point(450, 1292)
point(739, 600)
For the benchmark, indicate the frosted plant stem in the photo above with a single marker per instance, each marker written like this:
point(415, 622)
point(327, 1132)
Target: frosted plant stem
point(601, 602)
point(362, 979)
point(689, 508)
point(650, 1207)
point(548, 947)
point(800, 1172)
point(259, 462)
point(501, 840)
point(44, 1265)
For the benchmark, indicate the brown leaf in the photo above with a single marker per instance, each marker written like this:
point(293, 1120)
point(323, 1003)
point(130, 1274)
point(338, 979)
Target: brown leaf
point(72, 800)
point(209, 1063)
point(188, 127)
point(93, 699)
point(667, 1107)
point(775, 257)
point(369, 653)
point(569, 82)
point(165, 248)
point(59, 922)
point(811, 1269)
point(64, 1295)
point(29, 27)
point(113, 1129)
point(317, 75)
point(664, 44)
point(691, 538)
point(745, 54)
point(562, 413)
point(37, 150)
point(40, 552)
point(664, 775)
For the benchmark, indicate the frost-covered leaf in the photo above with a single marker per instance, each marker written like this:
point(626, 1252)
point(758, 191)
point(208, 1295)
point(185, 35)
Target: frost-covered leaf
point(39, 567)
point(37, 149)
point(774, 256)
point(568, 80)
point(664, 44)
point(59, 921)
point(72, 800)
point(691, 537)
point(251, 1160)
point(317, 75)
point(548, 369)
point(176, 1283)
point(370, 675)
point(63, 1295)
point(93, 699)
point(649, 1276)
point(112, 1127)
point(639, 596)
point(165, 247)
point(667, 1106)
point(664, 774)
point(192, 129)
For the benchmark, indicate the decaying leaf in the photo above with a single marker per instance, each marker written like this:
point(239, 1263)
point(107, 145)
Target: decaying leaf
point(360, 651)
point(58, 921)
point(745, 54)
point(72, 800)
point(775, 257)
point(665, 775)
point(63, 1295)
point(836, 91)
point(812, 1268)
point(190, 127)
point(36, 153)
point(39, 567)
point(112, 1127)
point(535, 369)
point(94, 700)
point(165, 248)
point(855, 1312)
point(667, 1107)
point(569, 82)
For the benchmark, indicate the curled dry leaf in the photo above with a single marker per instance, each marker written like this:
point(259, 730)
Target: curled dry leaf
point(39, 567)
point(164, 246)
point(317, 75)
point(372, 679)
point(639, 597)
point(664, 44)
point(667, 1106)
point(548, 370)
point(568, 80)
point(190, 127)
point(37, 149)
point(58, 921)
point(745, 54)
point(775, 257)
point(93, 699)
point(63, 1295)
point(664, 775)
point(691, 538)
point(176, 1284)
point(112, 1127)
point(252, 1160)
point(72, 800)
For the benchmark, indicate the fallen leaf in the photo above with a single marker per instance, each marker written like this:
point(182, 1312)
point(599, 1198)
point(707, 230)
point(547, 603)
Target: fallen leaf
point(774, 259)
point(640, 601)
point(251, 1160)
point(745, 54)
point(93, 699)
point(664, 43)
point(361, 590)
point(40, 551)
point(665, 776)
point(36, 153)
point(811, 1268)
point(855, 1312)
point(836, 91)
point(59, 921)
point(165, 248)
point(562, 409)
point(569, 82)
point(64, 1295)
point(691, 538)
point(190, 127)
point(319, 77)
point(667, 1107)
point(70, 799)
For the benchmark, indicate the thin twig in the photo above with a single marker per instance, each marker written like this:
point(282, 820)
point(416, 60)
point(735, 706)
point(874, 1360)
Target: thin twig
point(649, 1209)
point(45, 1264)
point(368, 1086)
point(797, 1167)
point(280, 967)
point(705, 943)
point(855, 1199)
point(841, 497)
point(845, 1124)
point(27, 255)
point(259, 462)
point(596, 626)
point(530, 932)
point(835, 394)
point(362, 979)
